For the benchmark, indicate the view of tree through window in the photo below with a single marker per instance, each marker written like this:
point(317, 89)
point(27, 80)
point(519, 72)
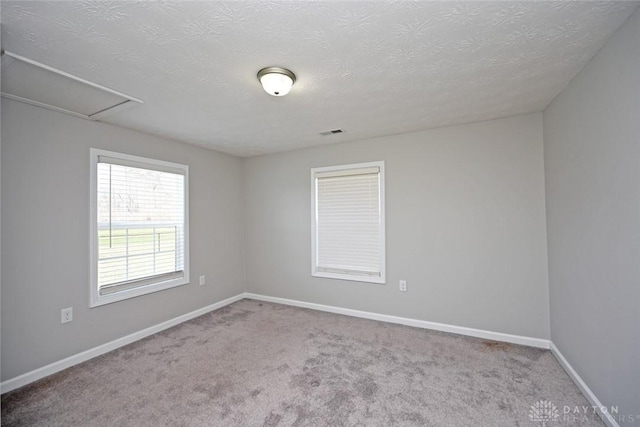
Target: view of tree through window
point(140, 224)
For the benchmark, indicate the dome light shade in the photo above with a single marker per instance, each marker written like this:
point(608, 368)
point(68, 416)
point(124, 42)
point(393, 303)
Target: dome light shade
point(276, 81)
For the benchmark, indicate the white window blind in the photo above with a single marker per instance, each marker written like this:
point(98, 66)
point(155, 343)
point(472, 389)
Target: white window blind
point(140, 229)
point(349, 222)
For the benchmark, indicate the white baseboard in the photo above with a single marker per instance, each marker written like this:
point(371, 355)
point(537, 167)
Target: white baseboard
point(460, 330)
point(584, 388)
point(54, 367)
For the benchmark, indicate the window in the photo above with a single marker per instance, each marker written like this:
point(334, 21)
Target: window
point(348, 222)
point(139, 227)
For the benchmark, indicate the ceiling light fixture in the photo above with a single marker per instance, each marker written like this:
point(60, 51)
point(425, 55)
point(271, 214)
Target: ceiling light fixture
point(276, 81)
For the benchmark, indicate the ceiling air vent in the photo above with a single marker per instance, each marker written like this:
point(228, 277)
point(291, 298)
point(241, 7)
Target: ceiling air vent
point(331, 132)
point(28, 81)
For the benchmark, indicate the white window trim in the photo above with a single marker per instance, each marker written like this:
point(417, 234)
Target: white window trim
point(345, 276)
point(95, 299)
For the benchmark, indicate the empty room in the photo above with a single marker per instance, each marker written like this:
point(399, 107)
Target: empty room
point(320, 213)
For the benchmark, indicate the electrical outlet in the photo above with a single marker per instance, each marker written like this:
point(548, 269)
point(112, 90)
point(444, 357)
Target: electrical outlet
point(202, 280)
point(403, 285)
point(66, 315)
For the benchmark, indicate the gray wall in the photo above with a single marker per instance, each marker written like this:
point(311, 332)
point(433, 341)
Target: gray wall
point(45, 235)
point(592, 168)
point(465, 226)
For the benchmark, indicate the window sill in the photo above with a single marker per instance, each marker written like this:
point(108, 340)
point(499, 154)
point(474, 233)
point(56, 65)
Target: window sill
point(350, 277)
point(98, 300)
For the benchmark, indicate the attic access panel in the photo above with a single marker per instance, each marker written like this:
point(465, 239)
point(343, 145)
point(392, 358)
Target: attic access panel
point(28, 81)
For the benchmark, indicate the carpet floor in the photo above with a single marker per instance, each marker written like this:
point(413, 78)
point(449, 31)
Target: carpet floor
point(260, 364)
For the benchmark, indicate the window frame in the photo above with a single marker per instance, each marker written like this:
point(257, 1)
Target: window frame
point(314, 219)
point(95, 299)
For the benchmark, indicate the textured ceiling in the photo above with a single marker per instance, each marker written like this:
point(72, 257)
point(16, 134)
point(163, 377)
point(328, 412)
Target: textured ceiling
point(369, 68)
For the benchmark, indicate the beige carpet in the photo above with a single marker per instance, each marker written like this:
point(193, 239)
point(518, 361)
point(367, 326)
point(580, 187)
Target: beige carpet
point(261, 364)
